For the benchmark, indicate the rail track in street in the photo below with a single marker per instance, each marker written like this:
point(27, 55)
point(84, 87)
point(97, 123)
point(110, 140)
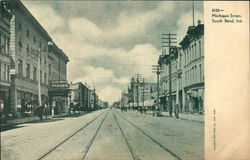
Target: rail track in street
point(131, 150)
point(94, 137)
point(119, 120)
point(150, 137)
point(70, 136)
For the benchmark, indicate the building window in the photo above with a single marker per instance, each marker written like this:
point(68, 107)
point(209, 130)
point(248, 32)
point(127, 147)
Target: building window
point(28, 71)
point(34, 39)
point(28, 33)
point(45, 48)
point(200, 76)
point(45, 78)
point(2, 46)
point(20, 45)
point(200, 49)
point(4, 72)
point(20, 68)
point(195, 74)
point(195, 53)
point(8, 46)
point(40, 44)
point(28, 49)
point(19, 26)
point(41, 58)
point(49, 71)
point(8, 74)
point(45, 61)
point(34, 73)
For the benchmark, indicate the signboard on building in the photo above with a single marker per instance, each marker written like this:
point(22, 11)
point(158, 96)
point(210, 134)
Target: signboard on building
point(59, 88)
point(12, 71)
point(59, 84)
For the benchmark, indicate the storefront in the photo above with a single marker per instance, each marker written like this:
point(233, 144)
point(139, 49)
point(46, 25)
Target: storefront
point(195, 99)
point(58, 96)
point(4, 101)
point(27, 102)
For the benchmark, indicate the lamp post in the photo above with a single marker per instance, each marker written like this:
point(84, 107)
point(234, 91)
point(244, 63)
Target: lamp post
point(50, 43)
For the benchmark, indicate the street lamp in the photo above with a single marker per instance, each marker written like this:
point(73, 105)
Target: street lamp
point(50, 43)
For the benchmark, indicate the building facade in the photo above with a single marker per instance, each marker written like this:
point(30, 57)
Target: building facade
point(35, 60)
point(182, 77)
point(5, 60)
point(57, 76)
point(140, 93)
point(193, 69)
point(79, 96)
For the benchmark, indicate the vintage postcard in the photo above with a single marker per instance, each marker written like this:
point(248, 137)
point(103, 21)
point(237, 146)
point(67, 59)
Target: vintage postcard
point(122, 80)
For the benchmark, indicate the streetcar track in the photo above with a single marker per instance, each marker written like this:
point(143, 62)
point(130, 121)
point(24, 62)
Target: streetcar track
point(131, 150)
point(74, 133)
point(93, 138)
point(150, 137)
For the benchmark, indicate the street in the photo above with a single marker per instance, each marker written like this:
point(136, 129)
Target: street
point(105, 134)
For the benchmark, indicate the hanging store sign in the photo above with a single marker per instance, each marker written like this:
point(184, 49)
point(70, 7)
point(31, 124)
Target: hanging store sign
point(59, 84)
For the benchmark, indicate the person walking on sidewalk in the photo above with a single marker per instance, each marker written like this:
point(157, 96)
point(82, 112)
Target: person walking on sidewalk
point(39, 112)
point(46, 110)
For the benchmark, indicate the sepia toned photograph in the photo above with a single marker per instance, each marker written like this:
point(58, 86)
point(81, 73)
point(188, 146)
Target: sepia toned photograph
point(102, 80)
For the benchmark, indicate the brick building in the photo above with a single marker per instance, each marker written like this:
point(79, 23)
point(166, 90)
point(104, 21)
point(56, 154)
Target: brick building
point(29, 44)
point(5, 60)
point(79, 96)
point(193, 68)
point(186, 72)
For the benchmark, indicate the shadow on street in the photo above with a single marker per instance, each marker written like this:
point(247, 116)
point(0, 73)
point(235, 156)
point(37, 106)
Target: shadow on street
point(9, 127)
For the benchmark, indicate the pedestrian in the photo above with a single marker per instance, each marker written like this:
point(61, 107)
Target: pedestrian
point(46, 110)
point(39, 112)
point(140, 108)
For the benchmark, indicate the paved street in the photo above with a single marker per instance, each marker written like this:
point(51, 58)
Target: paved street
point(105, 134)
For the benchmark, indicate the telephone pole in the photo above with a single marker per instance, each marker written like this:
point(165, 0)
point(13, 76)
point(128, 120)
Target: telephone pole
point(156, 69)
point(133, 93)
point(143, 85)
point(137, 89)
point(169, 39)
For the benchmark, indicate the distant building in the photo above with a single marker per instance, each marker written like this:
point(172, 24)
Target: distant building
point(5, 60)
point(79, 96)
point(145, 92)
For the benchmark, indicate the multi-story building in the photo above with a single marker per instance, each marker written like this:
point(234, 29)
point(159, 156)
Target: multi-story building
point(57, 75)
point(92, 99)
point(79, 96)
point(5, 60)
point(35, 60)
point(193, 68)
point(140, 93)
point(168, 79)
point(182, 79)
point(124, 99)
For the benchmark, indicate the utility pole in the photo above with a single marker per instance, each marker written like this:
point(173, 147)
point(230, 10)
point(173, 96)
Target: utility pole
point(133, 94)
point(177, 109)
point(156, 69)
point(137, 89)
point(169, 37)
point(143, 85)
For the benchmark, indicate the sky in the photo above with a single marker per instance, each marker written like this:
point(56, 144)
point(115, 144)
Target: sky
point(108, 42)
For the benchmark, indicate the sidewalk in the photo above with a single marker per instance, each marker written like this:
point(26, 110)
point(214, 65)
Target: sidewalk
point(34, 119)
point(185, 116)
